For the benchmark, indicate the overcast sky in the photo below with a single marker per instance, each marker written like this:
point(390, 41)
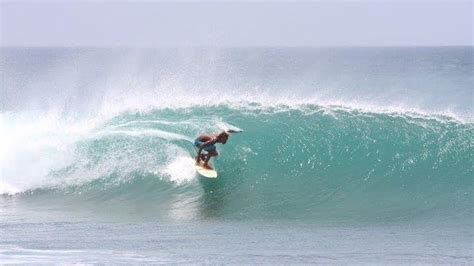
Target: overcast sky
point(245, 23)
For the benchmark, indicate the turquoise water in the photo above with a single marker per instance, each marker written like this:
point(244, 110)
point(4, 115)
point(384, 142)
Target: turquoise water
point(348, 155)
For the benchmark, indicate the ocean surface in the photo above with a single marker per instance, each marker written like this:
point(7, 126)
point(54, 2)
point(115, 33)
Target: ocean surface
point(348, 155)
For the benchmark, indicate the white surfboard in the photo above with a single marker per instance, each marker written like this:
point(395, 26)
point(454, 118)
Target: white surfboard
point(205, 172)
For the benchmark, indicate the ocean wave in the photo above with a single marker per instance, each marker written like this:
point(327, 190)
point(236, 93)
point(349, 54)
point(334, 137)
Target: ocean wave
point(291, 161)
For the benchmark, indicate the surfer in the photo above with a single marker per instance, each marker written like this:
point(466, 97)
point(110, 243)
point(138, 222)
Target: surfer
point(207, 142)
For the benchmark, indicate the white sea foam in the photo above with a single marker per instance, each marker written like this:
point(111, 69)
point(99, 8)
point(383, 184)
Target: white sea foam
point(265, 101)
point(40, 150)
point(143, 133)
point(32, 146)
point(180, 169)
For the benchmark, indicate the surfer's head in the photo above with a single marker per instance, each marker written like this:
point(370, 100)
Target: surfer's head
point(222, 137)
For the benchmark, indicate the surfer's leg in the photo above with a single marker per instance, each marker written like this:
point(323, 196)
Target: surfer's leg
point(201, 158)
point(206, 165)
point(209, 155)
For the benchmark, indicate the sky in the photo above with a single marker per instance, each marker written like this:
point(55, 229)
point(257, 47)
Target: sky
point(233, 23)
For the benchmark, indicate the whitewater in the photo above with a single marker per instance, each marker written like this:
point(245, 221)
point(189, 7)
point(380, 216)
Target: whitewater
point(344, 145)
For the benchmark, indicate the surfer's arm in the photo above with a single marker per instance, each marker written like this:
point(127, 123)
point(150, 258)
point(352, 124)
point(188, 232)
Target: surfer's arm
point(205, 144)
point(210, 141)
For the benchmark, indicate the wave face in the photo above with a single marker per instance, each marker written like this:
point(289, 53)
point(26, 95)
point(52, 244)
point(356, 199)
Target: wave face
point(99, 146)
point(307, 162)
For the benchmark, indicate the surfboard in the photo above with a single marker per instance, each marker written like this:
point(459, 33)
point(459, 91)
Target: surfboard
point(205, 172)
